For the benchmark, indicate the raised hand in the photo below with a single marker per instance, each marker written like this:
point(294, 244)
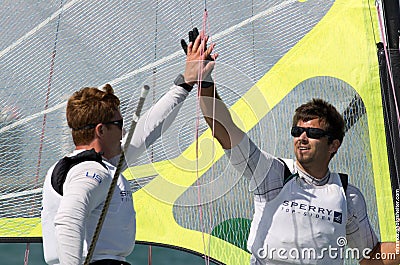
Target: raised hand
point(192, 37)
point(199, 60)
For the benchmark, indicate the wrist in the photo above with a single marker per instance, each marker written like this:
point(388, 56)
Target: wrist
point(206, 84)
point(180, 81)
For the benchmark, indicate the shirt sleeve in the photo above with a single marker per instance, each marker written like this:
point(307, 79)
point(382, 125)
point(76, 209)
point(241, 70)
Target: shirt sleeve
point(264, 171)
point(359, 232)
point(85, 189)
point(155, 121)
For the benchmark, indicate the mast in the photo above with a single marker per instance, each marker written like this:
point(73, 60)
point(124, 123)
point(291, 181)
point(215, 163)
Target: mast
point(389, 69)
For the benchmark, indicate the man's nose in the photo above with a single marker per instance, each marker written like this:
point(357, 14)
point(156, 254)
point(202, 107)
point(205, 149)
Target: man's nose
point(303, 137)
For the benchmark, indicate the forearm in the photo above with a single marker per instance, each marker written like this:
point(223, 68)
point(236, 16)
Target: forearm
point(382, 254)
point(156, 120)
point(219, 119)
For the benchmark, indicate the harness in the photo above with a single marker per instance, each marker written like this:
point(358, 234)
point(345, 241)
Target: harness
point(344, 178)
point(65, 164)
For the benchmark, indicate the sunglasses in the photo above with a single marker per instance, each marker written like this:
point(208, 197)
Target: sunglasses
point(314, 133)
point(118, 123)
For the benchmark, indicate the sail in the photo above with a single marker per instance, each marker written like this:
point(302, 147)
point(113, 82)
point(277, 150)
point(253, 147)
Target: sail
point(274, 55)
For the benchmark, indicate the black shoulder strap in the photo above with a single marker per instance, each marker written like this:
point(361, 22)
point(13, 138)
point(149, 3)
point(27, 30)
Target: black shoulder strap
point(288, 176)
point(344, 178)
point(64, 165)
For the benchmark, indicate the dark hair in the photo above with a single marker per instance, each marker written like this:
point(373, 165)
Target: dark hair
point(330, 118)
point(90, 106)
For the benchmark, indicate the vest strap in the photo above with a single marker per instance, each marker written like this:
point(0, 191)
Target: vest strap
point(344, 178)
point(65, 164)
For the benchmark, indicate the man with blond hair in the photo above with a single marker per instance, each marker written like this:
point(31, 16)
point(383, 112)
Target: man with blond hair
point(76, 187)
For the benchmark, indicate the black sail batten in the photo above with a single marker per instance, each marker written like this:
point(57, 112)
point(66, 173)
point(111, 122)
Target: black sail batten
point(390, 96)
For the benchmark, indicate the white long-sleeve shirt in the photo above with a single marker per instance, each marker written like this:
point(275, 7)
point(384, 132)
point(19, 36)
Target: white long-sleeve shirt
point(305, 213)
point(69, 221)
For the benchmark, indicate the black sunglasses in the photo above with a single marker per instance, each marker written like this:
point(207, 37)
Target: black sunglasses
point(119, 123)
point(314, 133)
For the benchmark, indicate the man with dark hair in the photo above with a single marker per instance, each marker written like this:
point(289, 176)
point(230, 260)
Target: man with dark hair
point(76, 187)
point(303, 211)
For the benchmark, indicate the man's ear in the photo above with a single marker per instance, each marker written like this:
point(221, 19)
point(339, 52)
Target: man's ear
point(99, 130)
point(334, 146)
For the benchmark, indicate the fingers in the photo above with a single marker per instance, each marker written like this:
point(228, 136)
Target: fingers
point(189, 48)
point(203, 43)
point(208, 67)
point(200, 44)
point(184, 45)
point(193, 34)
point(197, 48)
point(214, 56)
point(207, 53)
point(192, 37)
point(196, 44)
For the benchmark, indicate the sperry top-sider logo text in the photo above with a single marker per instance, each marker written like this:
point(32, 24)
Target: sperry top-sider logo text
point(308, 210)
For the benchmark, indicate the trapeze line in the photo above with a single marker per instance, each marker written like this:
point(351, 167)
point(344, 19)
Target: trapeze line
point(37, 28)
point(142, 69)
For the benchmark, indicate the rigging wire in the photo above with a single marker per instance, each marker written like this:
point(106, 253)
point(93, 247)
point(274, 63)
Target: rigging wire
point(49, 85)
point(197, 125)
point(200, 207)
point(206, 247)
point(154, 82)
point(206, 27)
point(190, 12)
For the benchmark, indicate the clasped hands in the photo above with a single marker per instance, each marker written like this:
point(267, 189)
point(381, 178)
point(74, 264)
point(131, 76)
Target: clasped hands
point(199, 60)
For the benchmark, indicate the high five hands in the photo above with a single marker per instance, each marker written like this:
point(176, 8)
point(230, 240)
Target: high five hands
point(199, 60)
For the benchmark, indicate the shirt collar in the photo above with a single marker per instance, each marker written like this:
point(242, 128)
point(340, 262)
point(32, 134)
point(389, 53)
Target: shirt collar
point(312, 180)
